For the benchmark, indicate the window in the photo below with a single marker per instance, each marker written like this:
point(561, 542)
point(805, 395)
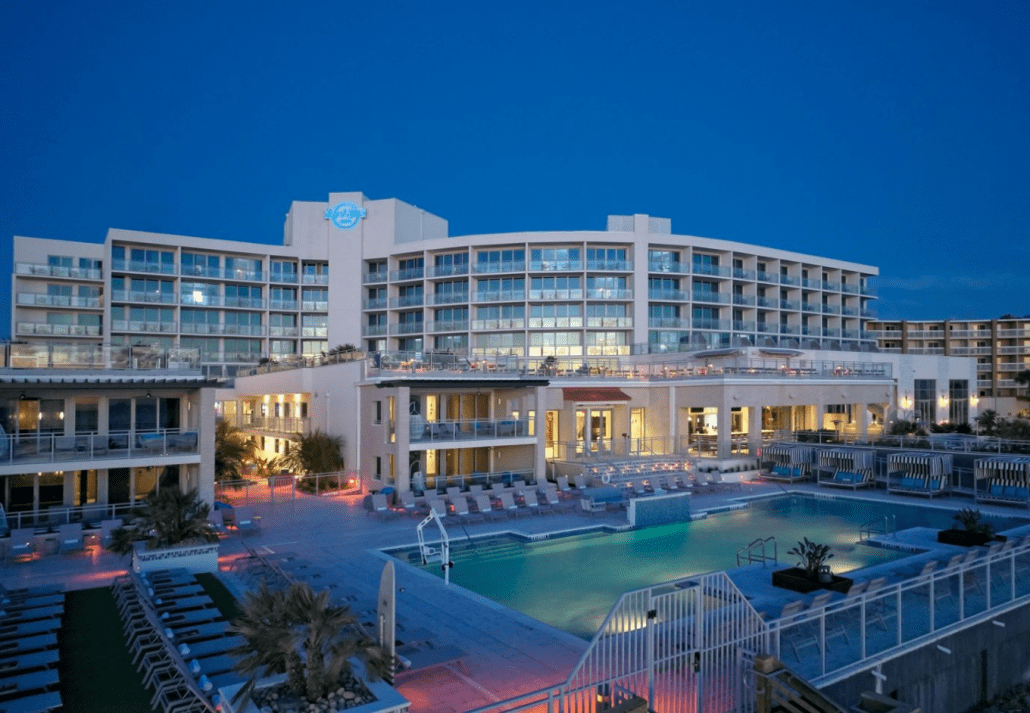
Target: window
point(925, 400)
point(663, 260)
point(958, 401)
point(606, 259)
point(451, 264)
point(378, 413)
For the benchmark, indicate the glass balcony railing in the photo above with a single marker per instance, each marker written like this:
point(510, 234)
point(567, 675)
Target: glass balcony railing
point(40, 448)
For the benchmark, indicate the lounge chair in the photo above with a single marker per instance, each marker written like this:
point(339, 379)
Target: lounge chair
point(22, 544)
point(37, 703)
point(461, 509)
point(413, 660)
point(439, 507)
point(217, 522)
point(246, 522)
point(508, 505)
point(71, 539)
point(486, 508)
point(531, 501)
point(406, 502)
point(380, 506)
point(563, 485)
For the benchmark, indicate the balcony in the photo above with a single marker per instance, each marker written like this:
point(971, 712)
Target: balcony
point(667, 295)
point(609, 322)
point(288, 425)
point(831, 286)
point(373, 330)
point(244, 302)
point(283, 332)
point(34, 299)
point(555, 322)
point(165, 298)
point(438, 433)
point(41, 448)
point(372, 278)
point(811, 307)
point(245, 330)
point(201, 300)
point(556, 266)
point(500, 296)
point(213, 272)
point(719, 324)
point(868, 291)
point(769, 302)
point(285, 305)
point(790, 280)
point(740, 273)
point(810, 284)
point(376, 303)
point(675, 268)
point(489, 325)
point(744, 300)
point(610, 265)
point(551, 295)
point(411, 273)
point(447, 270)
point(288, 278)
point(314, 279)
point(314, 332)
point(972, 351)
point(160, 268)
point(849, 288)
point(314, 306)
point(135, 325)
point(711, 270)
point(493, 268)
point(408, 328)
point(62, 330)
point(74, 273)
point(240, 275)
point(450, 325)
point(766, 276)
point(740, 326)
point(793, 305)
point(711, 297)
point(1013, 333)
point(447, 298)
point(602, 293)
point(408, 301)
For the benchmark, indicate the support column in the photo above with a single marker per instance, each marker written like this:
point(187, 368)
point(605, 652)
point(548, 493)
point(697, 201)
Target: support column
point(69, 487)
point(402, 409)
point(540, 428)
point(863, 421)
point(724, 424)
point(754, 429)
point(673, 434)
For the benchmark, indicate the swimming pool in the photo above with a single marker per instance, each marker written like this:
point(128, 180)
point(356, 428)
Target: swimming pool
point(571, 582)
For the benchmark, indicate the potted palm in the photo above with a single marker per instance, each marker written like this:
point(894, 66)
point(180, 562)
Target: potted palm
point(973, 532)
point(170, 530)
point(811, 572)
point(300, 650)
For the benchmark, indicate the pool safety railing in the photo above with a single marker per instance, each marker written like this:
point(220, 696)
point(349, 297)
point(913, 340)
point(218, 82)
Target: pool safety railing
point(430, 554)
point(689, 646)
point(756, 551)
point(886, 526)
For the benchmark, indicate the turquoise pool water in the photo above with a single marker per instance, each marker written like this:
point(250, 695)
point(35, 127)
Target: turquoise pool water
point(571, 582)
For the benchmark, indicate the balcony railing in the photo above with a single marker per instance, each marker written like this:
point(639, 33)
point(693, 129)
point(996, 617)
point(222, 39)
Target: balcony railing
point(77, 273)
point(411, 273)
point(572, 294)
point(467, 430)
point(766, 276)
point(314, 279)
point(373, 330)
point(289, 305)
point(555, 322)
point(715, 297)
point(161, 268)
point(447, 298)
point(289, 278)
point(556, 266)
point(374, 277)
point(603, 293)
point(283, 331)
point(500, 296)
point(667, 295)
point(90, 356)
point(408, 301)
point(609, 322)
point(481, 325)
point(712, 270)
point(490, 268)
point(275, 424)
point(745, 300)
point(62, 330)
point(167, 298)
point(53, 448)
point(34, 299)
point(451, 325)
point(408, 328)
point(610, 265)
point(447, 270)
point(675, 268)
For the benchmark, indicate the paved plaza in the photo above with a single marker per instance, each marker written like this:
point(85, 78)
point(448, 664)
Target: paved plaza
point(507, 653)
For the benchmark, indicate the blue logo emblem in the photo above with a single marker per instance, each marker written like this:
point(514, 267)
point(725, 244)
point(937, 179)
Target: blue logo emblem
point(345, 215)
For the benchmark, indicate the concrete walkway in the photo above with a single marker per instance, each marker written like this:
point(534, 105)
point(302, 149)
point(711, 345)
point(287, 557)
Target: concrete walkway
point(508, 653)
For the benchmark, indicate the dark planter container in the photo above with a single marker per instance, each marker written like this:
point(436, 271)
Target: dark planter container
point(963, 538)
point(796, 579)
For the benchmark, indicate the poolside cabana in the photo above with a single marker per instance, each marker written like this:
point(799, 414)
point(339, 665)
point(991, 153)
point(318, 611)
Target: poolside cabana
point(846, 467)
point(926, 474)
point(1002, 479)
point(787, 462)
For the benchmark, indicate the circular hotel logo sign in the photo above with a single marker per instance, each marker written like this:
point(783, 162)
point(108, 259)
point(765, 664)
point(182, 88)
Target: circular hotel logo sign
point(345, 215)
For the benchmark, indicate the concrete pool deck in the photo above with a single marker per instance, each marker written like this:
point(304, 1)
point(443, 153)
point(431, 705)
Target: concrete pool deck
point(507, 653)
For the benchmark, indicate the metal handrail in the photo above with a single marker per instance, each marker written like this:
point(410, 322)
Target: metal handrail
point(748, 552)
point(888, 526)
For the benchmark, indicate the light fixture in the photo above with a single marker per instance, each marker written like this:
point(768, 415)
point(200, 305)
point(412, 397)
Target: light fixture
point(148, 394)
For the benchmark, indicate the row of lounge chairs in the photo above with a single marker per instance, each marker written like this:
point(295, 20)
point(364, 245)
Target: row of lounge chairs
point(849, 479)
point(477, 504)
point(29, 622)
point(22, 543)
point(178, 639)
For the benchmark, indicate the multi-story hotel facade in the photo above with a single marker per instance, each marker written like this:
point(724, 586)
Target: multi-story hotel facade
point(488, 336)
point(401, 283)
point(1000, 346)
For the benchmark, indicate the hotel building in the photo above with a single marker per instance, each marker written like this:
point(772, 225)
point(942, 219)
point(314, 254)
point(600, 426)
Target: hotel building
point(1001, 348)
point(486, 352)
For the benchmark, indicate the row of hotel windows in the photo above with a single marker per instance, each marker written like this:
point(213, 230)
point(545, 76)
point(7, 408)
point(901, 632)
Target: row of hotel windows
point(143, 289)
point(206, 264)
point(215, 349)
point(926, 400)
point(30, 415)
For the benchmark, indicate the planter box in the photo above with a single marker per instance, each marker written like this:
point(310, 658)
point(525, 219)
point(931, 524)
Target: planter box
point(193, 558)
point(796, 579)
point(963, 538)
point(388, 699)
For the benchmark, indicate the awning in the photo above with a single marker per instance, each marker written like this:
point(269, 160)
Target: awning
point(604, 394)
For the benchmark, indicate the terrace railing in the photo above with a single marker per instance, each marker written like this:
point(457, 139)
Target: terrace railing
point(90, 356)
point(688, 645)
point(36, 448)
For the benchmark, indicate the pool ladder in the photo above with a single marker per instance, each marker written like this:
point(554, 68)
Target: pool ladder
point(886, 525)
point(756, 552)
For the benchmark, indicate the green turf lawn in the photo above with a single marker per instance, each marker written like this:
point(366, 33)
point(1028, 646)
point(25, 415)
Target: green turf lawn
point(96, 670)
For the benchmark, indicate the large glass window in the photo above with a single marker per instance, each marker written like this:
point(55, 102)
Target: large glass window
point(958, 398)
point(925, 401)
point(663, 260)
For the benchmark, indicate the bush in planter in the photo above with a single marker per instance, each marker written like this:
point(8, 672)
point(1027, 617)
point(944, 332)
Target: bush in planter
point(969, 518)
point(300, 633)
point(812, 556)
point(169, 517)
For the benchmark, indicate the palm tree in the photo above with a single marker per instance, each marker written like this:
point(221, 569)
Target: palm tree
point(232, 450)
point(169, 517)
point(988, 421)
point(317, 452)
point(301, 633)
point(1023, 377)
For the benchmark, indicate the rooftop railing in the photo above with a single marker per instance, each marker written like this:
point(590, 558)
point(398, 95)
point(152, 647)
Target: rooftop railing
point(91, 356)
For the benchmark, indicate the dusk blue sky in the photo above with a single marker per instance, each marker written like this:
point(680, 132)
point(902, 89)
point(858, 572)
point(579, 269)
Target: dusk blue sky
point(890, 133)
